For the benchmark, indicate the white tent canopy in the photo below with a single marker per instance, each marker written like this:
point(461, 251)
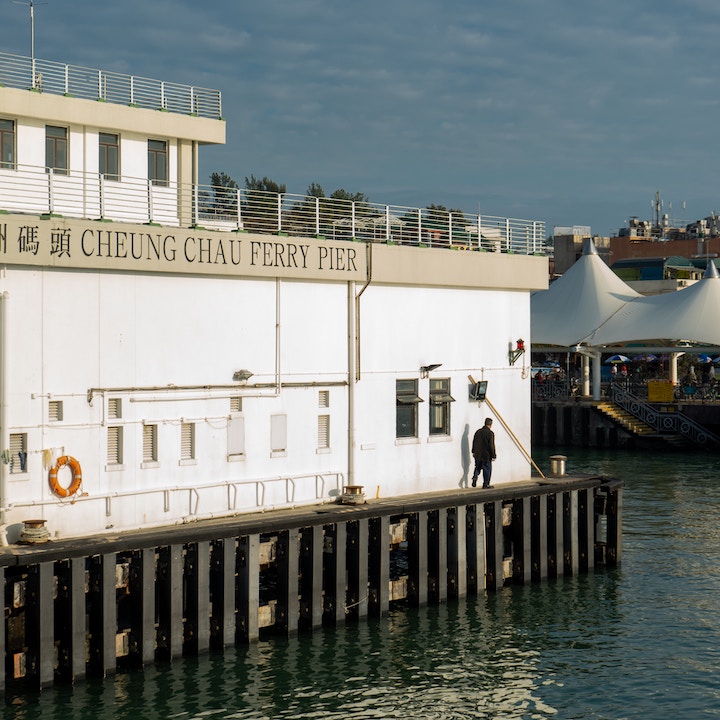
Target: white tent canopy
point(690, 315)
point(591, 310)
point(579, 302)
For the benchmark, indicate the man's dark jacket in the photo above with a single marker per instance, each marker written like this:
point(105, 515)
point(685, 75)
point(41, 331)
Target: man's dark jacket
point(483, 447)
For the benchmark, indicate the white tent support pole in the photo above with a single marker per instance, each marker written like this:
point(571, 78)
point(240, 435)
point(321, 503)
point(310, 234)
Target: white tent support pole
point(674, 357)
point(585, 375)
point(596, 375)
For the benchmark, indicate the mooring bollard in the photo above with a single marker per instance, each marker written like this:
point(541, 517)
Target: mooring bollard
point(557, 464)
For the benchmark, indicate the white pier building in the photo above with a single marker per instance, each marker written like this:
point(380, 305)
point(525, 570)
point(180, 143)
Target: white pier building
point(200, 352)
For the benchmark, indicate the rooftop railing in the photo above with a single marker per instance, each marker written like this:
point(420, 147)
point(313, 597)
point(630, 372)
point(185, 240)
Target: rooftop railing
point(45, 76)
point(38, 190)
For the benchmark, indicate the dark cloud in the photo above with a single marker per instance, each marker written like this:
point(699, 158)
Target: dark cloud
point(571, 113)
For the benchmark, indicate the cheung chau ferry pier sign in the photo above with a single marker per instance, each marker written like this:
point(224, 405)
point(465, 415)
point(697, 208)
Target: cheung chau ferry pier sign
point(76, 244)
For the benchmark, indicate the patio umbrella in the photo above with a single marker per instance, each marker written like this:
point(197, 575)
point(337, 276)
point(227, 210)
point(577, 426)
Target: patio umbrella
point(702, 359)
point(645, 357)
point(615, 359)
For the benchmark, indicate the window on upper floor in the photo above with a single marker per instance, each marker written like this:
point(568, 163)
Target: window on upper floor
point(157, 162)
point(109, 160)
point(7, 144)
point(56, 149)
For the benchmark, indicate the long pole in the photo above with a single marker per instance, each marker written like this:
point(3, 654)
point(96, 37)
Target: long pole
point(514, 437)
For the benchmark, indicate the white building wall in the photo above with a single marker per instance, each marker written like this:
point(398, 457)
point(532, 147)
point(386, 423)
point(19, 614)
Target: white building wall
point(132, 336)
point(129, 336)
point(404, 329)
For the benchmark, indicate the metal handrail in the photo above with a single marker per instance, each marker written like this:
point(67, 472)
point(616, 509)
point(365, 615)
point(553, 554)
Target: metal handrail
point(676, 422)
point(46, 76)
point(72, 193)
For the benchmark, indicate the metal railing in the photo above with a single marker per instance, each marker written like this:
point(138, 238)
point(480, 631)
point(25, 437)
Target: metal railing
point(40, 190)
point(46, 76)
point(675, 422)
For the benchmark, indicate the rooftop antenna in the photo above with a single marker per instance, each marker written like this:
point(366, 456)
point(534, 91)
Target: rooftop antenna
point(35, 78)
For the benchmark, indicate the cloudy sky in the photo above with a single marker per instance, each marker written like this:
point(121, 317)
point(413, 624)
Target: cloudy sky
point(573, 113)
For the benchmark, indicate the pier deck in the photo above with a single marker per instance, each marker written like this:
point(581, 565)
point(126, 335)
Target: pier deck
point(95, 606)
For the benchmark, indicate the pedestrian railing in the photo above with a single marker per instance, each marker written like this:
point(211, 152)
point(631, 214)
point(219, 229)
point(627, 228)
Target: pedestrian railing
point(72, 193)
point(55, 78)
point(670, 423)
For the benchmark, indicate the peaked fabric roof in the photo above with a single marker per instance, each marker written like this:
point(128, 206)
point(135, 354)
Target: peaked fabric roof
point(590, 305)
point(690, 315)
point(579, 302)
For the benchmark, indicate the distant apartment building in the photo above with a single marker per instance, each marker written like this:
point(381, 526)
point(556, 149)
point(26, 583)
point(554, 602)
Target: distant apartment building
point(568, 244)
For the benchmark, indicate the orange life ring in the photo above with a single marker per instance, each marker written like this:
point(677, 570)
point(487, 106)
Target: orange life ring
point(74, 465)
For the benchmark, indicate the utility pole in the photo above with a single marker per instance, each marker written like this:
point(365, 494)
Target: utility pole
point(34, 80)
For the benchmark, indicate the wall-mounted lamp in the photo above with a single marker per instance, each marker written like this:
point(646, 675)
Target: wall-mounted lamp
point(425, 370)
point(242, 375)
point(519, 350)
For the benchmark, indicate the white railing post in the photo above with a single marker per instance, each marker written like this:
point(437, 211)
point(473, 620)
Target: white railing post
point(132, 89)
point(388, 234)
point(51, 190)
point(162, 95)
point(352, 221)
point(507, 235)
point(479, 231)
point(102, 196)
point(67, 79)
point(317, 216)
point(195, 204)
point(239, 210)
point(450, 235)
point(150, 200)
point(419, 238)
point(279, 212)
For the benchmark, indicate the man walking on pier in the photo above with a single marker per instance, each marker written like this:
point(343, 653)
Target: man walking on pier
point(483, 450)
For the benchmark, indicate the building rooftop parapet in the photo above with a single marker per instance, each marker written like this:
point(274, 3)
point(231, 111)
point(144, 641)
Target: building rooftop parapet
point(45, 76)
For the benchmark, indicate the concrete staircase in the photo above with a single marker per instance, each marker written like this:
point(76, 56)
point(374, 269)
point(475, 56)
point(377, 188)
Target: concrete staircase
point(626, 420)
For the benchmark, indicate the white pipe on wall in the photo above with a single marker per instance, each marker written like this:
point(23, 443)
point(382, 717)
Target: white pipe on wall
point(4, 435)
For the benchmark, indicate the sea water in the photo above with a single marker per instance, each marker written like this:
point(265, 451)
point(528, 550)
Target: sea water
point(639, 641)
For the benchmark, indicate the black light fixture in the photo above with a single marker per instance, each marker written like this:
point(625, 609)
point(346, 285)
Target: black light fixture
point(425, 370)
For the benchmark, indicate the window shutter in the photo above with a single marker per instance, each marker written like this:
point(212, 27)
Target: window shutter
point(323, 431)
point(55, 410)
point(149, 443)
point(187, 441)
point(236, 436)
point(114, 445)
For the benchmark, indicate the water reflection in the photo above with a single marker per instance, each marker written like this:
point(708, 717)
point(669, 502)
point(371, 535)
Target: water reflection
point(637, 642)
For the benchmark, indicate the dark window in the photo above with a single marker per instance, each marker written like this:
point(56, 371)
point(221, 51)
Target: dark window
point(157, 162)
point(109, 156)
point(406, 408)
point(440, 400)
point(56, 157)
point(7, 144)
